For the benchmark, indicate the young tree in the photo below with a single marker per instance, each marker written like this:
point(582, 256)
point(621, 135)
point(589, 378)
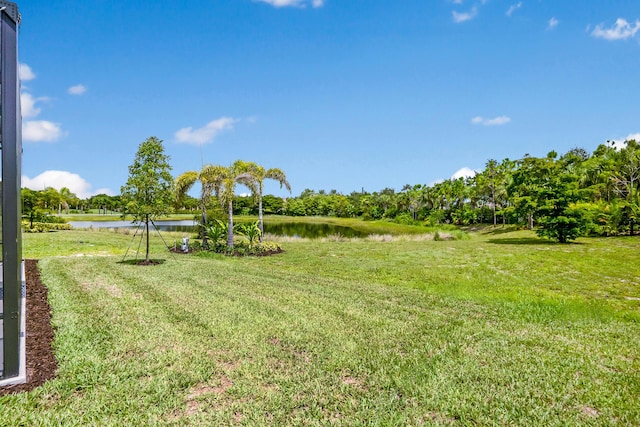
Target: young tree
point(148, 191)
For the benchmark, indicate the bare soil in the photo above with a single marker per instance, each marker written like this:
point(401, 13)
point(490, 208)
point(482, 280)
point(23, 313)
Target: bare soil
point(41, 363)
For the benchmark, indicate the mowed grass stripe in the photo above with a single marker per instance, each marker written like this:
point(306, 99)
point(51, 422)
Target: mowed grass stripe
point(376, 340)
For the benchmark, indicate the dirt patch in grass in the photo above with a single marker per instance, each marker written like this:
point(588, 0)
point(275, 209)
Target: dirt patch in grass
point(41, 363)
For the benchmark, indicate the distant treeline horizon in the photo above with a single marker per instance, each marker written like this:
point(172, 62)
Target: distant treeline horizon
point(600, 189)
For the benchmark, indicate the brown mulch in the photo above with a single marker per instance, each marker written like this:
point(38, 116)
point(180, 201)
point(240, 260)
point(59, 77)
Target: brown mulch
point(41, 363)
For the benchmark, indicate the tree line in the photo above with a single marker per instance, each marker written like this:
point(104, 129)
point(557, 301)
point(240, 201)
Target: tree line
point(561, 196)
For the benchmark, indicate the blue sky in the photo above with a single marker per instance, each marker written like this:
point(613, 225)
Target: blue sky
point(340, 94)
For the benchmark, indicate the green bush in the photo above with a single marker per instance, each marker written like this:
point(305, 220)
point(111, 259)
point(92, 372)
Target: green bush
point(43, 227)
point(244, 248)
point(405, 218)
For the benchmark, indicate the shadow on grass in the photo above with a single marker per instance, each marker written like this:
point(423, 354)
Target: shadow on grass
point(142, 262)
point(522, 241)
point(492, 230)
point(529, 241)
point(502, 230)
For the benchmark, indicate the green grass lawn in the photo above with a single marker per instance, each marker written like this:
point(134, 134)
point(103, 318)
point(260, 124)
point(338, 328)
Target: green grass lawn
point(498, 329)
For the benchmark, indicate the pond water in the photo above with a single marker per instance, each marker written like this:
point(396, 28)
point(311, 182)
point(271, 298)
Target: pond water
point(187, 225)
point(311, 230)
point(291, 229)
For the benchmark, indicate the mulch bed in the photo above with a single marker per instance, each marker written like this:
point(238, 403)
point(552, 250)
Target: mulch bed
point(41, 363)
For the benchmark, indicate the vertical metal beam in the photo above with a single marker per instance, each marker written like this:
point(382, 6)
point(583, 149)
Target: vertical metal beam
point(11, 139)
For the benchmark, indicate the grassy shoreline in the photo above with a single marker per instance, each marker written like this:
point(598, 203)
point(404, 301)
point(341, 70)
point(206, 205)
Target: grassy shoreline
point(502, 328)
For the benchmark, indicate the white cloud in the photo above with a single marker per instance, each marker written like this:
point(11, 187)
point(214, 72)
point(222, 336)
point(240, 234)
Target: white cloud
point(28, 105)
point(496, 121)
point(293, 3)
point(26, 73)
point(513, 8)
point(205, 134)
point(619, 144)
point(77, 89)
point(622, 30)
point(459, 17)
point(41, 131)
point(35, 130)
point(107, 191)
point(464, 172)
point(553, 22)
point(58, 179)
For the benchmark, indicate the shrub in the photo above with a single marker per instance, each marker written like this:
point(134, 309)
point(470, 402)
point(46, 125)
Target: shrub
point(43, 227)
point(405, 218)
point(250, 231)
point(243, 248)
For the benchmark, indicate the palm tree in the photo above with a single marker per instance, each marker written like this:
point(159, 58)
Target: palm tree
point(209, 178)
point(225, 187)
point(259, 174)
point(67, 197)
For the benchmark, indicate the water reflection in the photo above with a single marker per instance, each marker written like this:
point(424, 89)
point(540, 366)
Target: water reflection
point(291, 229)
point(185, 225)
point(311, 230)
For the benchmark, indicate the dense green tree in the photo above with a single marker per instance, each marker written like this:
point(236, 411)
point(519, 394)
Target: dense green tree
point(560, 218)
point(148, 193)
point(529, 179)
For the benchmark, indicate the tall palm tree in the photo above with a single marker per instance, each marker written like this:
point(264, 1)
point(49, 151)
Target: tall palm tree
point(67, 197)
point(209, 178)
point(225, 188)
point(259, 174)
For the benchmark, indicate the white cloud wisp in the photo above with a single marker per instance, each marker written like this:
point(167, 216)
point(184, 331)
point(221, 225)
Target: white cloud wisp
point(460, 17)
point(293, 3)
point(496, 121)
point(513, 8)
point(206, 134)
point(622, 30)
point(77, 89)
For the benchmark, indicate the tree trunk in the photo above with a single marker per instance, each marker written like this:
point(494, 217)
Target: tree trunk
point(146, 224)
point(260, 219)
point(493, 202)
point(204, 226)
point(632, 219)
point(230, 232)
